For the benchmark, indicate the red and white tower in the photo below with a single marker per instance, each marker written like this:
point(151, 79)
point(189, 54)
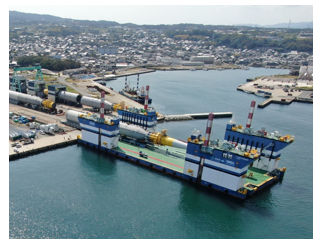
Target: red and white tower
point(147, 90)
point(102, 105)
point(250, 117)
point(208, 128)
point(146, 97)
point(146, 102)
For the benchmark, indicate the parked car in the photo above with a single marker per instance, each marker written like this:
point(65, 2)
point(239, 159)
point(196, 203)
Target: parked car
point(143, 154)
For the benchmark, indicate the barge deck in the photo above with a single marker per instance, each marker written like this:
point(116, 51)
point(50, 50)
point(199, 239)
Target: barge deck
point(171, 160)
point(167, 157)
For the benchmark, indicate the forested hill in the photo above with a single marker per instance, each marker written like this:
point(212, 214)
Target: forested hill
point(21, 19)
point(18, 18)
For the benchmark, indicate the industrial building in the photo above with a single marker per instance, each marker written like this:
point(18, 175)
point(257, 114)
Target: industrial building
point(205, 59)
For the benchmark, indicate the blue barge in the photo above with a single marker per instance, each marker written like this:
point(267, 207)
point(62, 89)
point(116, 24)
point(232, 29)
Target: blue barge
point(245, 162)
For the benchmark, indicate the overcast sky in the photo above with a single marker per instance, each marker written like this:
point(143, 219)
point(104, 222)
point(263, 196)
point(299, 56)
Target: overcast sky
point(173, 12)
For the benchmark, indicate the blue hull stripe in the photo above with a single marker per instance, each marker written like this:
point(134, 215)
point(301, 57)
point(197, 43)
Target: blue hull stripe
point(218, 169)
point(110, 136)
point(192, 161)
point(89, 130)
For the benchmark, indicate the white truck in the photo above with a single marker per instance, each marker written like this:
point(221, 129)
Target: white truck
point(47, 129)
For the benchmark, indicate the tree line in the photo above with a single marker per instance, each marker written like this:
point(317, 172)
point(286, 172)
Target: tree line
point(280, 42)
point(48, 63)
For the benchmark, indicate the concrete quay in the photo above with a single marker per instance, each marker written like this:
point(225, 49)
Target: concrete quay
point(196, 116)
point(216, 115)
point(280, 90)
point(124, 73)
point(270, 100)
point(114, 97)
point(43, 143)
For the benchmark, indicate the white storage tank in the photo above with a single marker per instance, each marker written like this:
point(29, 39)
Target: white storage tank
point(24, 98)
point(69, 96)
point(93, 102)
point(72, 116)
point(132, 131)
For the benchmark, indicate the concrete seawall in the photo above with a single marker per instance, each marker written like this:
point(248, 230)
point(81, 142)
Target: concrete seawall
point(185, 117)
point(44, 144)
point(271, 100)
point(279, 92)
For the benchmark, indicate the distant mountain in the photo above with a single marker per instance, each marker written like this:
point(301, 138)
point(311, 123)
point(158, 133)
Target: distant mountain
point(292, 25)
point(16, 18)
point(298, 25)
point(19, 19)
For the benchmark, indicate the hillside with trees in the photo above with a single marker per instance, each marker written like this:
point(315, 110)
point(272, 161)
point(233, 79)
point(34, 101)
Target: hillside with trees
point(48, 63)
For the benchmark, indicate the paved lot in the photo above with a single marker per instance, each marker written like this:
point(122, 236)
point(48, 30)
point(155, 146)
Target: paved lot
point(44, 140)
point(278, 84)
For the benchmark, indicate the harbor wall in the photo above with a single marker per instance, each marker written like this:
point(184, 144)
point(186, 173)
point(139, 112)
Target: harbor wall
point(185, 117)
point(44, 144)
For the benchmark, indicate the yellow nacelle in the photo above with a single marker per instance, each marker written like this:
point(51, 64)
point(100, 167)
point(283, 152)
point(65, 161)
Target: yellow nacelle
point(48, 104)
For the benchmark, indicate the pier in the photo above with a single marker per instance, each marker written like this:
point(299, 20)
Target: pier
point(123, 73)
point(271, 100)
point(280, 90)
point(44, 143)
point(185, 117)
point(264, 103)
point(216, 115)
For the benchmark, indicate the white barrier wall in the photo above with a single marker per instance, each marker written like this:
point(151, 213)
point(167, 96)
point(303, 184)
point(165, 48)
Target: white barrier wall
point(222, 179)
point(89, 137)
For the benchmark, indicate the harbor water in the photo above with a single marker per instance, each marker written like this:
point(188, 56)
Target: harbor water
point(77, 192)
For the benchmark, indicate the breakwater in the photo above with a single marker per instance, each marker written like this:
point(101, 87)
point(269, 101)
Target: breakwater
point(185, 117)
point(40, 149)
point(279, 90)
point(44, 144)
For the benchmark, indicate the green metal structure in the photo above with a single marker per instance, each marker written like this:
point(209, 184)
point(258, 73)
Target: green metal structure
point(16, 80)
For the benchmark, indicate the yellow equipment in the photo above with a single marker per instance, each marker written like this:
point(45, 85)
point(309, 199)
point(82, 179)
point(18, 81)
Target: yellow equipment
point(163, 139)
point(48, 104)
point(119, 106)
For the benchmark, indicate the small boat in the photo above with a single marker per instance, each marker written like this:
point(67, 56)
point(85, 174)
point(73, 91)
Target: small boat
point(135, 94)
point(262, 95)
point(245, 68)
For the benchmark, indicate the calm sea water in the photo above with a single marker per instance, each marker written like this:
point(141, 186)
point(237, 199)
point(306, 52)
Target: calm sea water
point(76, 192)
